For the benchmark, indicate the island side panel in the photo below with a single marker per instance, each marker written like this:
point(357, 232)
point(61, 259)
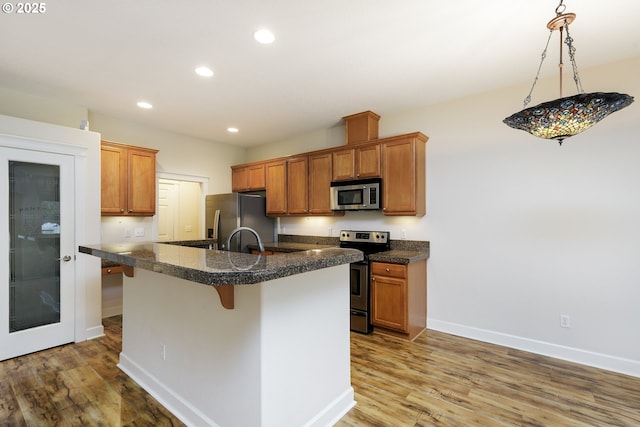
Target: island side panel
point(280, 357)
point(306, 375)
point(198, 359)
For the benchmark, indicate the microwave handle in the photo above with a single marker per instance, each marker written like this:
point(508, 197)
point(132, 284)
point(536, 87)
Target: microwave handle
point(367, 195)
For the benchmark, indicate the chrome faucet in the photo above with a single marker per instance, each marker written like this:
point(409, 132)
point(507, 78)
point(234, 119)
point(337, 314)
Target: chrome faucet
point(260, 245)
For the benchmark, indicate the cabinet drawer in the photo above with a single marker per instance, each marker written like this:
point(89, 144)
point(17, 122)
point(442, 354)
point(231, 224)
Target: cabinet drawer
point(387, 269)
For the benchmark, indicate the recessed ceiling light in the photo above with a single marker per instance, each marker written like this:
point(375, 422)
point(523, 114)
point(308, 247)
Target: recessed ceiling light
point(264, 36)
point(204, 71)
point(232, 130)
point(145, 105)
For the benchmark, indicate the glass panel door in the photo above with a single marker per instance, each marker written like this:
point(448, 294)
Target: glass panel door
point(37, 286)
point(34, 245)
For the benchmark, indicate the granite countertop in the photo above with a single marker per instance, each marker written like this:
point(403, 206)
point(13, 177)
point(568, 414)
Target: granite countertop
point(214, 267)
point(396, 256)
point(291, 246)
point(402, 251)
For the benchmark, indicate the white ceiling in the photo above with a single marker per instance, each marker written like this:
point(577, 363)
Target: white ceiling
point(331, 58)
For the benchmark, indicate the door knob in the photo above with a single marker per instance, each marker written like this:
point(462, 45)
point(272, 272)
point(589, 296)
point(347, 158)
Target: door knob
point(65, 258)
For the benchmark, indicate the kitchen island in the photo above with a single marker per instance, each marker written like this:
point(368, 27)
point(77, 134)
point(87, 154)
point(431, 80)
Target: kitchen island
point(278, 356)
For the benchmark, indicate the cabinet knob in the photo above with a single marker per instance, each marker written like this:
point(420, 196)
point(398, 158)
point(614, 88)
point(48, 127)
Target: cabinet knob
point(121, 210)
point(108, 270)
point(386, 269)
point(130, 210)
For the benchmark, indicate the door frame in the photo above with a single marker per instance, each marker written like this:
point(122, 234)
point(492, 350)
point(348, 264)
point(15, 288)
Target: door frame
point(84, 146)
point(204, 184)
point(55, 333)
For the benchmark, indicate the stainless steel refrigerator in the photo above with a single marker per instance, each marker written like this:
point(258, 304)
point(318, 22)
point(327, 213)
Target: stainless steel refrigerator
point(226, 212)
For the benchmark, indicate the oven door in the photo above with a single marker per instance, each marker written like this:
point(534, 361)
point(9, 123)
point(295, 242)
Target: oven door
point(359, 284)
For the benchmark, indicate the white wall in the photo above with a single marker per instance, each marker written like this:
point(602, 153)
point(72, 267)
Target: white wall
point(523, 230)
point(46, 110)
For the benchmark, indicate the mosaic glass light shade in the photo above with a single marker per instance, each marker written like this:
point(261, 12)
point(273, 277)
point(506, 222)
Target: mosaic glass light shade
point(565, 117)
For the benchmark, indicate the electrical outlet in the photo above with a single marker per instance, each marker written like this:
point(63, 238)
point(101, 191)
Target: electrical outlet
point(404, 234)
point(127, 232)
point(329, 231)
point(188, 228)
point(139, 232)
point(565, 321)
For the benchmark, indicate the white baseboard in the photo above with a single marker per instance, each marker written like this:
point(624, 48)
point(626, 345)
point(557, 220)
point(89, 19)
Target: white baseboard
point(184, 411)
point(194, 418)
point(95, 332)
point(337, 409)
point(584, 357)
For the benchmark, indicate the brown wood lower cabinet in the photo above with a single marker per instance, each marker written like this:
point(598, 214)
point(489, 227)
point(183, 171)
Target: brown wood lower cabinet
point(399, 298)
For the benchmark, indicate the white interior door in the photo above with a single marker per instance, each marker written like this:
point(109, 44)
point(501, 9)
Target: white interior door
point(179, 210)
point(37, 282)
point(167, 210)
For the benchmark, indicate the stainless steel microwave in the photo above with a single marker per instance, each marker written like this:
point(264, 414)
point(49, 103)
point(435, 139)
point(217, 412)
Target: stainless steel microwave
point(358, 195)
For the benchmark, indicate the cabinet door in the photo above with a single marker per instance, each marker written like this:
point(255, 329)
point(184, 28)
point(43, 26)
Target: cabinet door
point(255, 177)
point(276, 186)
point(343, 165)
point(320, 173)
point(403, 194)
point(297, 196)
point(113, 194)
point(389, 302)
point(239, 178)
point(142, 182)
point(368, 161)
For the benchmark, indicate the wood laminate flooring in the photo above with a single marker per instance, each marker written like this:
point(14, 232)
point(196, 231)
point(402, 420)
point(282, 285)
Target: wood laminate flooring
point(438, 380)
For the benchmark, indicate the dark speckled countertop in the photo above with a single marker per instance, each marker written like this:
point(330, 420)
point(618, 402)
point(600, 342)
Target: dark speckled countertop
point(214, 267)
point(402, 251)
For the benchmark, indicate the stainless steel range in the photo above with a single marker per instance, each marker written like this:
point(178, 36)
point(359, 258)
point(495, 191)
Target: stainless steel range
point(369, 242)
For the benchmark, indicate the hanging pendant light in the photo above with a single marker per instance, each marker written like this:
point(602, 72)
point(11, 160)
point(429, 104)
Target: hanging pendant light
point(565, 117)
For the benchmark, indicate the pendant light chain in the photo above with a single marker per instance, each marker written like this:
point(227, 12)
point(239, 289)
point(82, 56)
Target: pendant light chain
point(572, 56)
point(542, 58)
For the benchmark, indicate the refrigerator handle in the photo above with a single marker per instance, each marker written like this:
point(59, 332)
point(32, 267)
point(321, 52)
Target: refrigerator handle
point(216, 224)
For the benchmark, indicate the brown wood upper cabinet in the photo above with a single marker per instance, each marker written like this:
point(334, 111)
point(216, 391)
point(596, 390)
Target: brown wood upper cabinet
point(286, 186)
point(276, 187)
point(297, 188)
point(128, 184)
point(356, 163)
point(320, 168)
point(403, 175)
point(249, 177)
point(300, 184)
